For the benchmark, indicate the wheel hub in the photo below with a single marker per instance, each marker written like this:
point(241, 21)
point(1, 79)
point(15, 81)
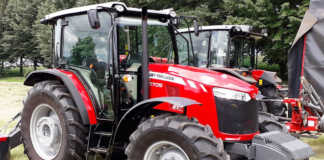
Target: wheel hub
point(173, 155)
point(46, 132)
point(165, 150)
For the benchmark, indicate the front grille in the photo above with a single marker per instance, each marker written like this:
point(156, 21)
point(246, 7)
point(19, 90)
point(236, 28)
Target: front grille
point(237, 117)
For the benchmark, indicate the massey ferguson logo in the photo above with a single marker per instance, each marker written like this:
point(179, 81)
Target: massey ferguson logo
point(167, 77)
point(161, 76)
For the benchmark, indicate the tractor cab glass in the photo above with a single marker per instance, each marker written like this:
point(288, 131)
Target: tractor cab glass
point(129, 35)
point(241, 54)
point(218, 48)
point(130, 42)
point(83, 45)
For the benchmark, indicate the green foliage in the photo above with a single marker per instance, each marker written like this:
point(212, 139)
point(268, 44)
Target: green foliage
point(43, 33)
point(22, 35)
point(15, 72)
point(82, 50)
point(281, 18)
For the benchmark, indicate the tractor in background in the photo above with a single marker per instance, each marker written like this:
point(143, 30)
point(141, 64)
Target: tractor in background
point(108, 96)
point(231, 49)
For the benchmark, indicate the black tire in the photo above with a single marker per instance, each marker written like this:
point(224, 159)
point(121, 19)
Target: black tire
point(74, 133)
point(196, 140)
point(268, 122)
point(276, 108)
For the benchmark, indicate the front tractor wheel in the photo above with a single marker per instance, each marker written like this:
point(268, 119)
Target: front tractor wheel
point(51, 125)
point(174, 138)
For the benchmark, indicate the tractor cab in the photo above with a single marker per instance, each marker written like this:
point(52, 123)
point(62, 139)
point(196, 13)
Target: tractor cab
point(100, 41)
point(231, 49)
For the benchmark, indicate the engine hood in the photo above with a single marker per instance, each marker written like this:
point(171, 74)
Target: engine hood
point(204, 76)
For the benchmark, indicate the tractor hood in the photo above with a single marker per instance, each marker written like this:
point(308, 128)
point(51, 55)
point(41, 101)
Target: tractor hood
point(204, 76)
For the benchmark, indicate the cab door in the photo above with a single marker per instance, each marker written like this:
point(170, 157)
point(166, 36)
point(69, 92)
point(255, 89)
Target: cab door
point(87, 51)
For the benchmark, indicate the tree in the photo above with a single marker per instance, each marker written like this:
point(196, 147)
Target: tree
point(43, 33)
point(83, 50)
point(19, 41)
point(281, 18)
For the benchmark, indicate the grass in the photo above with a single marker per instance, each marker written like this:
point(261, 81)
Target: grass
point(12, 79)
point(13, 75)
point(12, 92)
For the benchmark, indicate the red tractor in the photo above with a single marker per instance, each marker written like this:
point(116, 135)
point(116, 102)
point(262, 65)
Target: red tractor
point(108, 97)
point(231, 49)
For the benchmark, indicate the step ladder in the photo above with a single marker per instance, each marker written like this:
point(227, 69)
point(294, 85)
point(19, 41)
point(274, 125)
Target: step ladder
point(99, 148)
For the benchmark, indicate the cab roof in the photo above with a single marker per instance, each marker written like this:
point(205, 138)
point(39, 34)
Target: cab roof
point(78, 10)
point(244, 28)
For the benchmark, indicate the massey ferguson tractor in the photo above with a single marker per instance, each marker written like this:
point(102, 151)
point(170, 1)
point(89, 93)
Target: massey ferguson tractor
point(231, 49)
point(108, 97)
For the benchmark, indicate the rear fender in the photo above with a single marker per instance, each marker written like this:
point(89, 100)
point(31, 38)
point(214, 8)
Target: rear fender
point(144, 106)
point(75, 87)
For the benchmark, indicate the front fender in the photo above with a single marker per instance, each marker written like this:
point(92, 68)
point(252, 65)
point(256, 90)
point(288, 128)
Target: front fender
point(271, 77)
point(147, 105)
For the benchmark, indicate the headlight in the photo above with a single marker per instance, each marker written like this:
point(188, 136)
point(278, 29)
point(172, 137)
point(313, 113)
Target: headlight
point(231, 94)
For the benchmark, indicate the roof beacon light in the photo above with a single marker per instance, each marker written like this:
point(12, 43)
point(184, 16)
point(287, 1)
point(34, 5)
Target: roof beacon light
point(119, 8)
point(173, 14)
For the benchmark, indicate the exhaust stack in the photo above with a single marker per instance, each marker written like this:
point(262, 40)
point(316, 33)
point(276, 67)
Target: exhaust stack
point(145, 57)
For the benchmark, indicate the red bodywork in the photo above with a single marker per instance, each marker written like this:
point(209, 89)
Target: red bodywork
point(297, 121)
point(84, 95)
point(197, 84)
point(257, 74)
point(184, 81)
point(3, 139)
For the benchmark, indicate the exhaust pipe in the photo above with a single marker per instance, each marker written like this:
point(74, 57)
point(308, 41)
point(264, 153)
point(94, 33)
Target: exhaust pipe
point(145, 57)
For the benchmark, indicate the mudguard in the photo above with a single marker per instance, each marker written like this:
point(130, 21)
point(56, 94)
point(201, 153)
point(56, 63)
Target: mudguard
point(150, 104)
point(85, 106)
point(271, 78)
point(279, 146)
point(273, 145)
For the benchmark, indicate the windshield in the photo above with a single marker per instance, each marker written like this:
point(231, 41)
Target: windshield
point(130, 42)
point(216, 40)
point(239, 54)
point(219, 48)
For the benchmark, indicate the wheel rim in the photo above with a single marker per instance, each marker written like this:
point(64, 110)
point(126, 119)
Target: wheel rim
point(46, 131)
point(164, 150)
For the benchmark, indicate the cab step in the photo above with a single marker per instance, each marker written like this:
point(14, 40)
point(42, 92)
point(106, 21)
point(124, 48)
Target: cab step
point(98, 150)
point(102, 133)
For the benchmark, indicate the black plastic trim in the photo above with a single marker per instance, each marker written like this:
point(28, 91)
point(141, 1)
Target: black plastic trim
point(145, 105)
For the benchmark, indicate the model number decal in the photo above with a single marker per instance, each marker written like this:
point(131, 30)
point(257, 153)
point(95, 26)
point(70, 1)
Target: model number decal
point(158, 85)
point(167, 77)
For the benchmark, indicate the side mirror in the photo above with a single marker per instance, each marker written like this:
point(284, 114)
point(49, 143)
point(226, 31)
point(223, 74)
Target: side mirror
point(196, 28)
point(93, 18)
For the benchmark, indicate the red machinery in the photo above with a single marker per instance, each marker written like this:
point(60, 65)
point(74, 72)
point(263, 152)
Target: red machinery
point(95, 104)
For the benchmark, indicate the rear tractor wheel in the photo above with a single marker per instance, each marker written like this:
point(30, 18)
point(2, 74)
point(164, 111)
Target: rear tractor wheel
point(51, 124)
point(174, 138)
